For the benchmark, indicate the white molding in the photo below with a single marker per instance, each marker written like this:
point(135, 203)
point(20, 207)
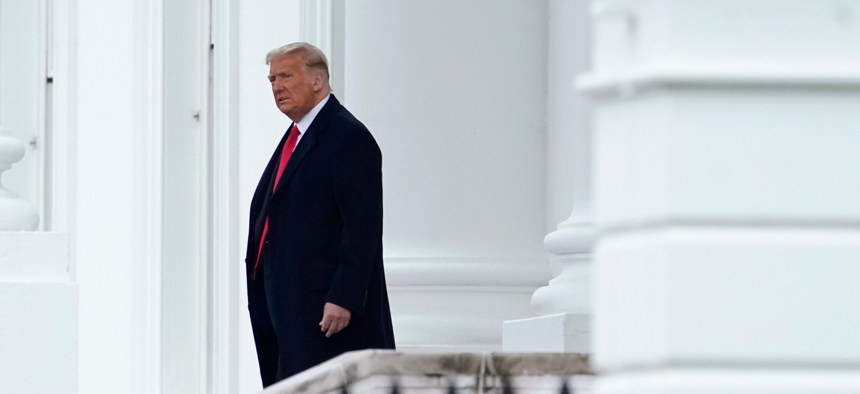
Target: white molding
point(207, 215)
point(570, 291)
point(41, 152)
point(627, 82)
point(64, 120)
point(571, 239)
point(227, 269)
point(317, 18)
point(455, 317)
point(147, 292)
point(467, 271)
point(321, 24)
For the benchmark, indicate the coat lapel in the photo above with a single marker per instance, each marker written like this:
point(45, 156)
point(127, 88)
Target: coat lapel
point(268, 181)
point(308, 140)
point(302, 149)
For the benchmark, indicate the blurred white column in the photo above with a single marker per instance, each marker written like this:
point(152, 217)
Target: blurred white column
point(727, 182)
point(564, 305)
point(454, 93)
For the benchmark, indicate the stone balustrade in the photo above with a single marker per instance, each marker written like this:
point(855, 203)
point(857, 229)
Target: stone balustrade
point(15, 214)
point(386, 371)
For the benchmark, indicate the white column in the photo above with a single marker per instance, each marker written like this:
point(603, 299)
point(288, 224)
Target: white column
point(454, 93)
point(727, 182)
point(322, 25)
point(564, 305)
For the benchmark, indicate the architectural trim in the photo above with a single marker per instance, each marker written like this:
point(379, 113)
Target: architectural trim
point(316, 23)
point(467, 271)
point(226, 267)
point(41, 145)
point(571, 239)
point(706, 74)
point(146, 336)
point(455, 317)
point(63, 70)
point(322, 24)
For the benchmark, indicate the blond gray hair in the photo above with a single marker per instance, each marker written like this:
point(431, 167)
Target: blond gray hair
point(312, 57)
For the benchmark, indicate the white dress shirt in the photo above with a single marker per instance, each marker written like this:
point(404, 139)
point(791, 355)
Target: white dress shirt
point(305, 123)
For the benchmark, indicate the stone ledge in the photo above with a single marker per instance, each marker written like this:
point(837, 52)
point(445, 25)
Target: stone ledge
point(34, 257)
point(354, 367)
point(558, 333)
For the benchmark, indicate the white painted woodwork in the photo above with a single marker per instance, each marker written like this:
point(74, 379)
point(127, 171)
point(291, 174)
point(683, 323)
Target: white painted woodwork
point(566, 332)
point(22, 93)
point(564, 304)
point(122, 156)
point(568, 113)
point(60, 162)
point(15, 213)
point(147, 328)
point(106, 192)
point(38, 314)
point(726, 182)
point(186, 201)
point(322, 24)
point(227, 271)
point(454, 93)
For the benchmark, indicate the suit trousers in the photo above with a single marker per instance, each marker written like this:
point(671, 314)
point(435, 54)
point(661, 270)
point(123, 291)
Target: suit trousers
point(265, 336)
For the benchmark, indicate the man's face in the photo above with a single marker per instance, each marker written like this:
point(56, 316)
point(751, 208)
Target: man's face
point(294, 88)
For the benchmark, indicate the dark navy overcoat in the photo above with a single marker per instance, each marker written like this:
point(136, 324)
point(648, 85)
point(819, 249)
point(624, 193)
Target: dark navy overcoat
point(324, 244)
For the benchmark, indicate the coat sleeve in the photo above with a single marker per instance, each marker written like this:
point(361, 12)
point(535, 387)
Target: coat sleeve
point(357, 184)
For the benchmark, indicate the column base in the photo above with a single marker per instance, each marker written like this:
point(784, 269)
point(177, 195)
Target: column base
point(459, 304)
point(38, 314)
point(559, 333)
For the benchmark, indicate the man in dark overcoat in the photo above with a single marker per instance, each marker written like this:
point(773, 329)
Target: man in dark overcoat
point(316, 286)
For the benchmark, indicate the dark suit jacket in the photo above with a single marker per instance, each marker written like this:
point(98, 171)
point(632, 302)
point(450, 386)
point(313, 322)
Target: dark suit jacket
point(324, 242)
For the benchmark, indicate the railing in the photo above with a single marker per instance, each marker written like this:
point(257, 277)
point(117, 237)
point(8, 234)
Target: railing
point(385, 371)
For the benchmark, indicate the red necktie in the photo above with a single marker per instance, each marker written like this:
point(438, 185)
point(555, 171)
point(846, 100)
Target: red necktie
point(285, 157)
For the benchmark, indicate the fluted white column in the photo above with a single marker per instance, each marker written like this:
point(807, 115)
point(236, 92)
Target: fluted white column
point(322, 25)
point(15, 214)
point(453, 91)
point(727, 181)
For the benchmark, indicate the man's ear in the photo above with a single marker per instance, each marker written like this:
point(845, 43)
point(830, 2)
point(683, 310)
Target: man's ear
point(318, 81)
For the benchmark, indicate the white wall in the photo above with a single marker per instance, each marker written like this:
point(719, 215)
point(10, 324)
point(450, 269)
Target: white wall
point(454, 92)
point(186, 204)
point(263, 26)
point(105, 193)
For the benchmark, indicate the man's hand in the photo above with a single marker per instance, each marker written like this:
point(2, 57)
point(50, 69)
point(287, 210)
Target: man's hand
point(334, 319)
